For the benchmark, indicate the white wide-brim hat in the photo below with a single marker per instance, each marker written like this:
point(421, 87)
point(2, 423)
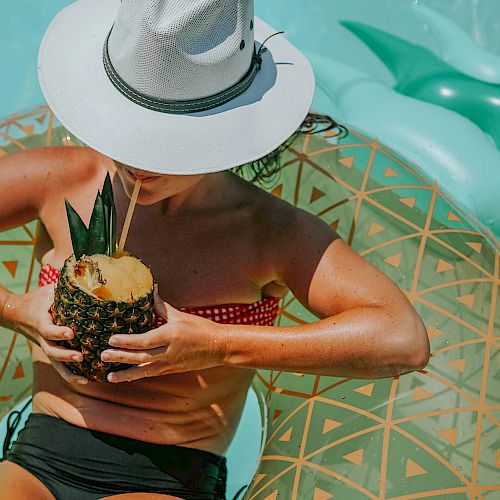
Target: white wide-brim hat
point(77, 88)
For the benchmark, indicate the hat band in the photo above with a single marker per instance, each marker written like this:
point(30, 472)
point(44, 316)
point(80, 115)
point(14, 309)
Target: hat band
point(186, 106)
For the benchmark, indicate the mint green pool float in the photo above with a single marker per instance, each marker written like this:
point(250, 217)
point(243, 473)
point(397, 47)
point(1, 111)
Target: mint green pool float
point(431, 433)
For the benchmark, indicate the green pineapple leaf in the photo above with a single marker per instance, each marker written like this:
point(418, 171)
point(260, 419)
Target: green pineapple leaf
point(77, 229)
point(96, 236)
point(109, 215)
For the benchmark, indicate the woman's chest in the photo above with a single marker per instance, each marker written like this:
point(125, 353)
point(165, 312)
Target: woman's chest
point(203, 261)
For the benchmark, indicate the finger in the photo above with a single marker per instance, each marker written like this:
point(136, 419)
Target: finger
point(143, 341)
point(60, 353)
point(55, 332)
point(67, 374)
point(133, 357)
point(136, 373)
point(160, 306)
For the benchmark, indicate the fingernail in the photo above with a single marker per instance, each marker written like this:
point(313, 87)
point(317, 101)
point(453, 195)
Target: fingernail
point(105, 357)
point(111, 378)
point(82, 381)
point(76, 357)
point(68, 335)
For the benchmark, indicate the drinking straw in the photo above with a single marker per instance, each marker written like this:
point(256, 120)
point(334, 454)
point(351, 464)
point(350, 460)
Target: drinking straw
point(130, 213)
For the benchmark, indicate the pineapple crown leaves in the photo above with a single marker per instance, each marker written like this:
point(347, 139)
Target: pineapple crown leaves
point(100, 236)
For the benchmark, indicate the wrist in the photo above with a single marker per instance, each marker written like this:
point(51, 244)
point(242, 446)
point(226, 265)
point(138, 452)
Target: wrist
point(220, 338)
point(8, 308)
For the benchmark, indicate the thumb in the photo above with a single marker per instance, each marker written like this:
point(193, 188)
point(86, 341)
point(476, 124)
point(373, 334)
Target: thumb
point(160, 306)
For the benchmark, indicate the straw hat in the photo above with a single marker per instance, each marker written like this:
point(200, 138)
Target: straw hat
point(174, 86)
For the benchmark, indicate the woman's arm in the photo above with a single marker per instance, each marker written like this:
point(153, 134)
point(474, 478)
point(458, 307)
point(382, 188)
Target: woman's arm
point(369, 329)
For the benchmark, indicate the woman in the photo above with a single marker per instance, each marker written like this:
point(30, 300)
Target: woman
point(221, 250)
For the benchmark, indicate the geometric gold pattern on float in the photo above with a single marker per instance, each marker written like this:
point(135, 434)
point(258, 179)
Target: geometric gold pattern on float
point(320, 494)
point(452, 216)
point(443, 266)
point(475, 245)
point(11, 267)
point(394, 260)
point(389, 172)
point(413, 469)
point(277, 191)
point(330, 424)
point(433, 332)
point(347, 162)
point(409, 202)
point(27, 129)
point(449, 434)
point(19, 373)
point(366, 390)
point(467, 300)
point(420, 394)
point(316, 194)
point(458, 364)
point(319, 414)
point(286, 435)
point(375, 229)
point(356, 457)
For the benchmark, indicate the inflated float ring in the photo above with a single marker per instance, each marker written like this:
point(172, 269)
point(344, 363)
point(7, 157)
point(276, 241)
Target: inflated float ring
point(429, 433)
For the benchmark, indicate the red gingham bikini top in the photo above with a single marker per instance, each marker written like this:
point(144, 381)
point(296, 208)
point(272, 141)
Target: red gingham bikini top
point(263, 312)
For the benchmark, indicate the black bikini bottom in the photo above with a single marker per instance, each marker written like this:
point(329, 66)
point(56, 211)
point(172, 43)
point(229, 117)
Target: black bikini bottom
point(79, 464)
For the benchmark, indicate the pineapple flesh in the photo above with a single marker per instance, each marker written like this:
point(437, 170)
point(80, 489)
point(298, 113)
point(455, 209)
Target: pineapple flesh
point(100, 294)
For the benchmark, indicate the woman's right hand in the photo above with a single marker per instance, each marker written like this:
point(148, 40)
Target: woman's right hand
point(29, 315)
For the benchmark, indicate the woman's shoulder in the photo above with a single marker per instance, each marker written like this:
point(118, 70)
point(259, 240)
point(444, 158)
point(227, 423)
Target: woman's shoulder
point(30, 180)
point(284, 226)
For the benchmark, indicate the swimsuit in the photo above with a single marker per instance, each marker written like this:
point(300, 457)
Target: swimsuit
point(75, 463)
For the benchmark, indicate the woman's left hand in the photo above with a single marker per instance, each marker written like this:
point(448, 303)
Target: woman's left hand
point(185, 342)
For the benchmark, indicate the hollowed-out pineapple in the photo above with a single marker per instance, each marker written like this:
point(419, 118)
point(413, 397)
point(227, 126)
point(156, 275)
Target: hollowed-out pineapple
point(100, 291)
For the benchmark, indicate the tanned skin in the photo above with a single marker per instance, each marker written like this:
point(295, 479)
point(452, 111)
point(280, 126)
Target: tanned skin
point(209, 239)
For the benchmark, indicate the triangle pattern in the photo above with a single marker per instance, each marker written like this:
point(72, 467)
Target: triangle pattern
point(356, 457)
point(394, 260)
point(449, 435)
point(366, 390)
point(41, 119)
point(286, 435)
point(316, 194)
point(442, 266)
point(413, 469)
point(320, 494)
point(278, 190)
point(347, 162)
point(375, 229)
point(475, 245)
point(272, 496)
point(19, 373)
point(458, 364)
point(330, 424)
point(277, 414)
point(409, 202)
point(389, 172)
point(420, 394)
point(467, 300)
point(433, 332)
point(28, 129)
point(452, 216)
point(335, 225)
point(11, 266)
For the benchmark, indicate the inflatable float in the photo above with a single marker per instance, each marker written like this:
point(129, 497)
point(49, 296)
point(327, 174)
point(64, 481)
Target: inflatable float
point(430, 433)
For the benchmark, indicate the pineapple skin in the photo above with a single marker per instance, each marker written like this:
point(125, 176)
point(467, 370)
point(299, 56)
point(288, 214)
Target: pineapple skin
point(93, 321)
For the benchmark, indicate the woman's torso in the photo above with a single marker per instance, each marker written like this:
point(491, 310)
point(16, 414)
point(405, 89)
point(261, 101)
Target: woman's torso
point(218, 256)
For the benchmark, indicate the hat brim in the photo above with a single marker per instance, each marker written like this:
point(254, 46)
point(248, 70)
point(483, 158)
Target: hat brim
point(76, 87)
